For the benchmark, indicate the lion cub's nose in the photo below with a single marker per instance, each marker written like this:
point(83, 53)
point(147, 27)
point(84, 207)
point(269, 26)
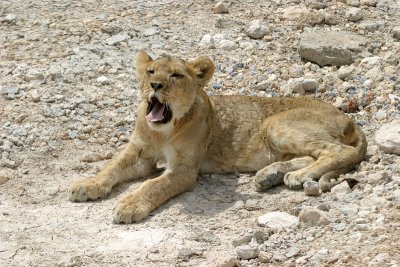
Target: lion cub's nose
point(156, 85)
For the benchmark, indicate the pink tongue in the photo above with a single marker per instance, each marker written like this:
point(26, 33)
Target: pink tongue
point(156, 114)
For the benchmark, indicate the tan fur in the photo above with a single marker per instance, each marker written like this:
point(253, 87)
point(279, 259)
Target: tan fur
point(284, 140)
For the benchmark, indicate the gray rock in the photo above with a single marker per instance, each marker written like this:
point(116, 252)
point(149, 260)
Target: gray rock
point(279, 257)
point(355, 3)
point(292, 251)
point(247, 252)
point(54, 111)
point(311, 188)
point(73, 134)
point(375, 74)
point(388, 137)
point(369, 2)
point(257, 29)
point(343, 187)
point(370, 62)
point(35, 95)
point(277, 220)
point(54, 73)
point(220, 8)
point(309, 85)
point(372, 26)
point(396, 32)
point(9, 90)
point(257, 236)
point(301, 86)
point(316, 4)
point(103, 80)
point(207, 41)
point(392, 7)
point(226, 262)
point(345, 72)
point(380, 115)
point(227, 45)
point(11, 164)
point(33, 74)
point(332, 19)
point(265, 257)
point(216, 85)
point(330, 48)
point(150, 31)
point(115, 39)
point(262, 86)
point(354, 14)
point(310, 216)
point(10, 18)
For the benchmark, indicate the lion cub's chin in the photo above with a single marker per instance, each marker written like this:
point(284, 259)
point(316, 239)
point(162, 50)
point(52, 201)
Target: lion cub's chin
point(161, 127)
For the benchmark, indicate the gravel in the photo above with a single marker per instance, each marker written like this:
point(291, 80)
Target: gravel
point(59, 121)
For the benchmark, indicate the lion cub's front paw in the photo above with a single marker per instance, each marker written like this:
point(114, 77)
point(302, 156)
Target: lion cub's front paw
point(130, 209)
point(264, 180)
point(88, 189)
point(296, 179)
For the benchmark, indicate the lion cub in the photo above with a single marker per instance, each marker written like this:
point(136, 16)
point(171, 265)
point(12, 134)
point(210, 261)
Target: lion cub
point(284, 140)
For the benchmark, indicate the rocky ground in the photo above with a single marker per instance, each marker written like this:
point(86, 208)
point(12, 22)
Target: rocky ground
point(67, 104)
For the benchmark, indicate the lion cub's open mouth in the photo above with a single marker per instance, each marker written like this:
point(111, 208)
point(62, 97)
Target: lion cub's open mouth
point(158, 112)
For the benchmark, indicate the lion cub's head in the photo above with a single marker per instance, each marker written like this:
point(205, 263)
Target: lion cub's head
point(169, 85)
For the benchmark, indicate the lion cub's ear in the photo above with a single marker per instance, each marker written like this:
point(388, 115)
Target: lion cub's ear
point(204, 70)
point(143, 60)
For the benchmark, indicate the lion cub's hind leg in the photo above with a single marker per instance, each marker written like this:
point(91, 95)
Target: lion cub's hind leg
point(273, 174)
point(332, 161)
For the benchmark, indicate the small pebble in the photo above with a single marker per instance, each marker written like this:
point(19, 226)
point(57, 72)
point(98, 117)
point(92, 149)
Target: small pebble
point(311, 188)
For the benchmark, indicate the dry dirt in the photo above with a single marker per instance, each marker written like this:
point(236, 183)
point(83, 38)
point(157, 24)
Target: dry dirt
point(59, 122)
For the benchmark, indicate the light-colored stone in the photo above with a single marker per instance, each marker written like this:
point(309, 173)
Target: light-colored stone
point(277, 220)
point(150, 31)
point(329, 47)
point(207, 41)
point(369, 2)
point(355, 3)
point(227, 45)
point(332, 19)
point(301, 86)
point(226, 262)
point(10, 18)
point(372, 26)
point(375, 74)
point(316, 4)
point(33, 74)
point(103, 80)
point(115, 39)
point(265, 257)
point(345, 72)
point(388, 137)
point(343, 187)
point(220, 8)
point(257, 29)
point(396, 32)
point(309, 85)
point(354, 14)
point(380, 115)
point(370, 62)
point(247, 252)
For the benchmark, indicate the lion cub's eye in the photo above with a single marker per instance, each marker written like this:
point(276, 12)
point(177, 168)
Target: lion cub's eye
point(150, 72)
point(177, 75)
